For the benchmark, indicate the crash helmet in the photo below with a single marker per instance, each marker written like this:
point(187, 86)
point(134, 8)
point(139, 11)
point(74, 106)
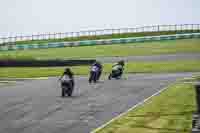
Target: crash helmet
point(67, 70)
point(96, 63)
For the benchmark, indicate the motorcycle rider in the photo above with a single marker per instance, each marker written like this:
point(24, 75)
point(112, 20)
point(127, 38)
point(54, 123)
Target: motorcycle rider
point(118, 69)
point(68, 74)
point(95, 68)
point(98, 64)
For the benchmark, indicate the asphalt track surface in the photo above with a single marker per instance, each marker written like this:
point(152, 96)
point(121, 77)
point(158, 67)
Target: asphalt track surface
point(152, 58)
point(35, 106)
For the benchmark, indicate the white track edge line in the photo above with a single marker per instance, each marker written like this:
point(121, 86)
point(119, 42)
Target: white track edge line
point(140, 103)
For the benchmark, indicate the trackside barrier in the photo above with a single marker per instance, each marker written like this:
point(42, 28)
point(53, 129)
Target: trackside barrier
point(100, 42)
point(162, 29)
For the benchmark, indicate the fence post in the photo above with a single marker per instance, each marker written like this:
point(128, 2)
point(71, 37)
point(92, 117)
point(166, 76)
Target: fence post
point(119, 31)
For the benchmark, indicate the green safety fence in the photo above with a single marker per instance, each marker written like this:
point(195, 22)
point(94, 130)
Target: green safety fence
point(99, 42)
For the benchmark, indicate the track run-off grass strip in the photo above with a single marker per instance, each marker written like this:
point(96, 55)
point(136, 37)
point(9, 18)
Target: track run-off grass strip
point(169, 112)
point(132, 49)
point(130, 67)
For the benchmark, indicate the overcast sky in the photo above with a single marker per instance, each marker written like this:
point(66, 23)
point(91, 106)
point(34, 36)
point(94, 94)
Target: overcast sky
point(33, 16)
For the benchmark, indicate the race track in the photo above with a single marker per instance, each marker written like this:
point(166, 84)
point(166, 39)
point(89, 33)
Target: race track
point(35, 106)
point(151, 58)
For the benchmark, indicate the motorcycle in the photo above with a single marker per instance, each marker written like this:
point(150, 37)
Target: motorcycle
point(94, 74)
point(66, 86)
point(116, 74)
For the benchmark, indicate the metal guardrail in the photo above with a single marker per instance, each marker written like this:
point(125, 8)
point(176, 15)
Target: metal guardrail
point(45, 36)
point(100, 42)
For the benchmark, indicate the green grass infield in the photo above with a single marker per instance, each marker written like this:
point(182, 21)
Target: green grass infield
point(169, 112)
point(132, 49)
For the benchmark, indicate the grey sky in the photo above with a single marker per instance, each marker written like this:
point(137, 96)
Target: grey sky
point(33, 16)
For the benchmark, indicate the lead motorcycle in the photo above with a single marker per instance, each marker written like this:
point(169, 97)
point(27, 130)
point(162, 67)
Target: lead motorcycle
point(66, 86)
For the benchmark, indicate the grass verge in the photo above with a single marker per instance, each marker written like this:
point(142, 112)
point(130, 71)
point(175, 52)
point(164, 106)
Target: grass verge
point(131, 67)
point(169, 112)
point(147, 48)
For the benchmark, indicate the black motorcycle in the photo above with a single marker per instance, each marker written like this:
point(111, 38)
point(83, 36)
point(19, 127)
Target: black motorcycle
point(67, 88)
point(116, 74)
